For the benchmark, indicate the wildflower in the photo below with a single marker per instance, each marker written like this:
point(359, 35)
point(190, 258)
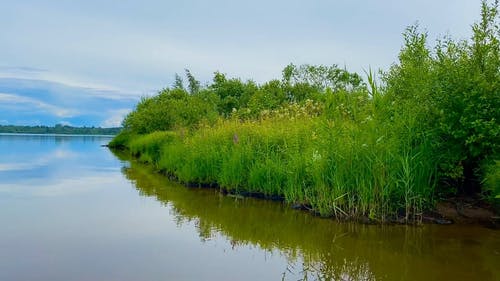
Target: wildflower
point(314, 136)
point(316, 156)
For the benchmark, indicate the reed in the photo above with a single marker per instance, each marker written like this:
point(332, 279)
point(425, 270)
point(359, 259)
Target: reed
point(333, 165)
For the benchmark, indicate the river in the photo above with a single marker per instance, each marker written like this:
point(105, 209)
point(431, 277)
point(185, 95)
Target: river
point(72, 210)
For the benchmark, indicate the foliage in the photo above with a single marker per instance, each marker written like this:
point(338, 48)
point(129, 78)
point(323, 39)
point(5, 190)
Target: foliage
point(121, 140)
point(492, 181)
point(232, 93)
point(170, 109)
point(323, 138)
point(454, 92)
point(346, 170)
point(148, 147)
point(321, 77)
point(193, 84)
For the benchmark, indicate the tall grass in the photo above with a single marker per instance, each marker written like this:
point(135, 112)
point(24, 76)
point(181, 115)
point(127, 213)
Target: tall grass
point(492, 183)
point(336, 166)
point(148, 147)
point(323, 139)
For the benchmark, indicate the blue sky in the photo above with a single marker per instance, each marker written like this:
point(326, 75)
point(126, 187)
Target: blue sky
point(88, 62)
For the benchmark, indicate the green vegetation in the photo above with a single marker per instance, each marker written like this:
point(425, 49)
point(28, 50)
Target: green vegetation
point(323, 138)
point(58, 129)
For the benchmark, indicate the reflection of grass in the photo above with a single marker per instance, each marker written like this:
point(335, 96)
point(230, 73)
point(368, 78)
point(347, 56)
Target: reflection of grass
point(326, 248)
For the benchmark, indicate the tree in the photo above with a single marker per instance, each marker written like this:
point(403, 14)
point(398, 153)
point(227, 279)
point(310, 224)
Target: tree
point(178, 83)
point(453, 96)
point(232, 93)
point(467, 94)
point(193, 84)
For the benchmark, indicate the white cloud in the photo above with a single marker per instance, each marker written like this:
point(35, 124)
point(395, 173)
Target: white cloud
point(141, 46)
point(7, 100)
point(41, 161)
point(64, 186)
point(91, 88)
point(116, 118)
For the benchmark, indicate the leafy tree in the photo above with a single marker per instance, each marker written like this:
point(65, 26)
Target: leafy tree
point(467, 94)
point(178, 83)
point(304, 81)
point(269, 96)
point(233, 93)
point(170, 109)
point(453, 96)
point(193, 84)
point(322, 77)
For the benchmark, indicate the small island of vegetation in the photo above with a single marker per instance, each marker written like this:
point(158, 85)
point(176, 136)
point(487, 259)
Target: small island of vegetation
point(325, 139)
point(58, 129)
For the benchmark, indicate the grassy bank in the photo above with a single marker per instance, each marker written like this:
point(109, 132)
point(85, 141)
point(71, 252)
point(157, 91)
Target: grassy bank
point(334, 166)
point(325, 139)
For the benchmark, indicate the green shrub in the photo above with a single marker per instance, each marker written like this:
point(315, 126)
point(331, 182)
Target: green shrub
point(147, 147)
point(491, 181)
point(121, 140)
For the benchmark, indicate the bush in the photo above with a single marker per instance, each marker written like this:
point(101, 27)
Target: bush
point(147, 147)
point(492, 181)
point(454, 94)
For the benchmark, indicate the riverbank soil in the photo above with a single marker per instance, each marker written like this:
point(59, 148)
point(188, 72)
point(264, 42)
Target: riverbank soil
point(465, 210)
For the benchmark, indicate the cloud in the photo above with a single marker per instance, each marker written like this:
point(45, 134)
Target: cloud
point(61, 187)
point(34, 75)
point(22, 100)
point(17, 101)
point(116, 118)
point(141, 46)
point(43, 160)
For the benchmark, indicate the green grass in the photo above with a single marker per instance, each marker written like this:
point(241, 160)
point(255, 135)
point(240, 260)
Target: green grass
point(341, 168)
point(491, 184)
point(349, 149)
point(148, 147)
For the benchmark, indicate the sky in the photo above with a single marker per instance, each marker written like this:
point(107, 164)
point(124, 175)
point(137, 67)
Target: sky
point(87, 62)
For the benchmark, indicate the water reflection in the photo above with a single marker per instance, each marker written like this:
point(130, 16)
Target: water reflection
point(70, 211)
point(321, 249)
point(52, 164)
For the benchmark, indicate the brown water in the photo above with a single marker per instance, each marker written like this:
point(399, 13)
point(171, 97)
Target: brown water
point(70, 210)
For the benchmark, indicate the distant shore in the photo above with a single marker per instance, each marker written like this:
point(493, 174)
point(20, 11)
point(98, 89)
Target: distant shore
point(59, 130)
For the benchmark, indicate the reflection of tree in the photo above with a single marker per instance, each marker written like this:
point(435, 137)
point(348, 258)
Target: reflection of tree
point(317, 249)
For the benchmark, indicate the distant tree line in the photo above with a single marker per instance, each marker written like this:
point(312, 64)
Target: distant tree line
point(59, 129)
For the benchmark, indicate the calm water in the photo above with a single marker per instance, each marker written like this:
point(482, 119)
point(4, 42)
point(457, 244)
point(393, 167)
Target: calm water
point(71, 210)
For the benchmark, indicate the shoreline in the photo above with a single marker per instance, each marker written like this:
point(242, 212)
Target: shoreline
point(450, 211)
